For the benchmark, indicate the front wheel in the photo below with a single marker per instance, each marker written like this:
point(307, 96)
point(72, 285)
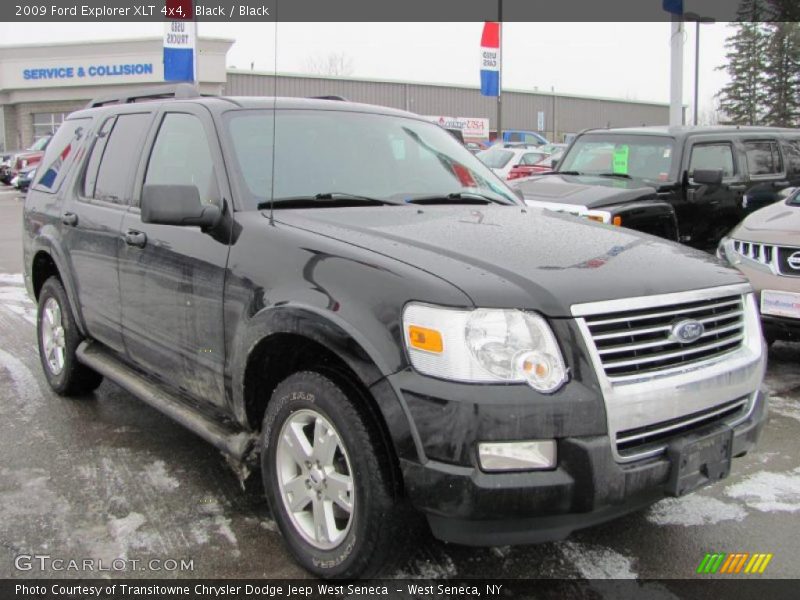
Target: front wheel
point(327, 480)
point(58, 341)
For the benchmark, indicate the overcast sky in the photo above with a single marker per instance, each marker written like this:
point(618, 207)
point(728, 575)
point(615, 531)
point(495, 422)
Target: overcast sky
point(619, 60)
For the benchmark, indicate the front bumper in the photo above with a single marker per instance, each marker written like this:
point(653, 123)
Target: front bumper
point(467, 506)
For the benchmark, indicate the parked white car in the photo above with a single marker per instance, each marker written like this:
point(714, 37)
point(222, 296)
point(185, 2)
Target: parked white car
point(502, 159)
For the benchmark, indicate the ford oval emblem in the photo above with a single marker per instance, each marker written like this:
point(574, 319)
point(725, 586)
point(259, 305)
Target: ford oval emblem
point(687, 331)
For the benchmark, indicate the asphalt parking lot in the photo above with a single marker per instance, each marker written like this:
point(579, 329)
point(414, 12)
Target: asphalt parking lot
point(105, 477)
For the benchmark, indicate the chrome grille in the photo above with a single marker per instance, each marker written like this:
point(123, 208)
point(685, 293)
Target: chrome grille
point(634, 343)
point(762, 253)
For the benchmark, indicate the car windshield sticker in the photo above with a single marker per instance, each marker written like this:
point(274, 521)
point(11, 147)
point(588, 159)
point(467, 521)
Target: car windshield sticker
point(620, 160)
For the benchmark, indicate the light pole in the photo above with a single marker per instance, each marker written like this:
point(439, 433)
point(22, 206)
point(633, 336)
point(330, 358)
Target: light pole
point(697, 21)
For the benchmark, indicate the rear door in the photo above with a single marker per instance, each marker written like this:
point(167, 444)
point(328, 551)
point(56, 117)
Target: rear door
point(707, 212)
point(93, 216)
point(766, 171)
point(172, 277)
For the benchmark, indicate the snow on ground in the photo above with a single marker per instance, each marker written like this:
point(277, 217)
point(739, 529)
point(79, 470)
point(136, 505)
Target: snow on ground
point(156, 474)
point(14, 298)
point(597, 562)
point(768, 491)
point(26, 398)
point(694, 510)
point(785, 407)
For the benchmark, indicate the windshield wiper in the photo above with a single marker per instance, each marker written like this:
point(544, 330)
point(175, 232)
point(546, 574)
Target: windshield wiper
point(325, 199)
point(622, 175)
point(457, 198)
point(558, 173)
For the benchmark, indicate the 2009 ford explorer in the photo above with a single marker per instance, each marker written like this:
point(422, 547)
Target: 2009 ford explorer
point(345, 296)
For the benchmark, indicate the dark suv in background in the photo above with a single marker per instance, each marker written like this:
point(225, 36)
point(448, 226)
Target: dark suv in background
point(692, 184)
point(389, 329)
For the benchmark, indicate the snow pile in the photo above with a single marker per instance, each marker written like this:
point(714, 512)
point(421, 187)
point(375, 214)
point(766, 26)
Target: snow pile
point(694, 510)
point(769, 492)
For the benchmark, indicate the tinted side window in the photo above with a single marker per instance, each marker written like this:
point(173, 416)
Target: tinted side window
point(712, 156)
point(763, 158)
point(93, 164)
point(119, 158)
point(791, 151)
point(181, 156)
point(65, 147)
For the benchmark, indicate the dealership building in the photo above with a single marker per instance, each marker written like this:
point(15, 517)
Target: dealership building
point(40, 84)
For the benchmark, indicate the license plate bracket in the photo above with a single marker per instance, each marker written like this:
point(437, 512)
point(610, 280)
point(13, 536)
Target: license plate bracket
point(699, 459)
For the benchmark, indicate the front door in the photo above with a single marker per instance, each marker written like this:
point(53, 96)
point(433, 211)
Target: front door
point(172, 278)
point(707, 212)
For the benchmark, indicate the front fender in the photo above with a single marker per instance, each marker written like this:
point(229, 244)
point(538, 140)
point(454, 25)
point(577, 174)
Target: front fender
point(342, 339)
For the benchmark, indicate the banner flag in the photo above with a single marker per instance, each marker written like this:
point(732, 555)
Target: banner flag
point(180, 42)
point(490, 59)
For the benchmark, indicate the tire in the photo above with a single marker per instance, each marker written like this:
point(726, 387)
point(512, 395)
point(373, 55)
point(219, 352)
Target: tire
point(58, 338)
point(360, 543)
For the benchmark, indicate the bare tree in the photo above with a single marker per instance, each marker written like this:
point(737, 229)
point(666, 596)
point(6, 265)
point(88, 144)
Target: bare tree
point(334, 64)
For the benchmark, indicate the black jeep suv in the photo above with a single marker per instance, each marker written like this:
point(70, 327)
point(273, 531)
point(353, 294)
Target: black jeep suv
point(689, 183)
point(345, 297)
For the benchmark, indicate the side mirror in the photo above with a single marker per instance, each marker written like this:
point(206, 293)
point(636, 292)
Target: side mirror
point(707, 176)
point(177, 205)
point(554, 164)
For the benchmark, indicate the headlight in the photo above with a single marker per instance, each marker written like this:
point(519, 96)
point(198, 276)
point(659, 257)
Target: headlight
point(721, 250)
point(601, 216)
point(483, 346)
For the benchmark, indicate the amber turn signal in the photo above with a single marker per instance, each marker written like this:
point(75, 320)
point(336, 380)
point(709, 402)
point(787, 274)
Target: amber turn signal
point(421, 338)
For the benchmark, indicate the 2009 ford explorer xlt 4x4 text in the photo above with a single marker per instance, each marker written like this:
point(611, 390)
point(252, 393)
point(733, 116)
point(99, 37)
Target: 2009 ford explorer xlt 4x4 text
point(345, 296)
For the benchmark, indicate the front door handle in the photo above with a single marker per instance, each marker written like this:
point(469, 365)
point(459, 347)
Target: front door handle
point(70, 219)
point(736, 188)
point(135, 238)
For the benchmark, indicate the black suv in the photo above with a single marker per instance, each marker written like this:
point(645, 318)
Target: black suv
point(344, 296)
point(692, 184)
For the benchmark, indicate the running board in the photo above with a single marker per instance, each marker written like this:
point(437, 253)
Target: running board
point(235, 443)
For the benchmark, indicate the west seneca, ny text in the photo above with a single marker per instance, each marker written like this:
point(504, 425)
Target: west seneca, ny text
point(137, 10)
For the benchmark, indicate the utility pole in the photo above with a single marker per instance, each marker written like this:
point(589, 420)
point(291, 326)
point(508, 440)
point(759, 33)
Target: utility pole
point(500, 73)
point(676, 72)
point(696, 70)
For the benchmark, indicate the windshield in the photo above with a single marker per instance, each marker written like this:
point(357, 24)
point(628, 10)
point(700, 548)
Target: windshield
point(495, 157)
point(639, 157)
point(794, 199)
point(548, 161)
point(40, 144)
point(323, 152)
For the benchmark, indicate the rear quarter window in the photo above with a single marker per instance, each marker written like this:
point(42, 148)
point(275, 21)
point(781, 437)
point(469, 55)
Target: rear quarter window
point(64, 150)
point(763, 158)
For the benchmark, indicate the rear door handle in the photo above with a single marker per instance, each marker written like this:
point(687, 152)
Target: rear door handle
point(135, 238)
point(737, 188)
point(70, 219)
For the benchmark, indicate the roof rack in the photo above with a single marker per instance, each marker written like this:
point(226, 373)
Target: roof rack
point(177, 91)
point(338, 98)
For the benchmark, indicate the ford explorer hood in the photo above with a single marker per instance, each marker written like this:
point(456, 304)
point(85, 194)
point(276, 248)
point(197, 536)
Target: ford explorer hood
point(513, 257)
point(583, 190)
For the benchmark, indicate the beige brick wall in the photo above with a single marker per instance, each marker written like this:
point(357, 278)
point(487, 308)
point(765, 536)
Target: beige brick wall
point(12, 140)
point(21, 128)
